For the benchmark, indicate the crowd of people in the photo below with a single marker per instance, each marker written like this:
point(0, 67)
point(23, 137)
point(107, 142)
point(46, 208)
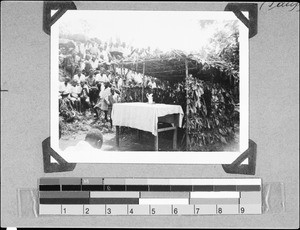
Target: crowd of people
point(91, 79)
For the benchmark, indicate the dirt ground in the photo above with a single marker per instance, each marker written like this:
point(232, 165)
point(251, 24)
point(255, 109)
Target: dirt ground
point(130, 140)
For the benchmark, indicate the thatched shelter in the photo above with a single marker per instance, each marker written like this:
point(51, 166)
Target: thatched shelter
point(171, 66)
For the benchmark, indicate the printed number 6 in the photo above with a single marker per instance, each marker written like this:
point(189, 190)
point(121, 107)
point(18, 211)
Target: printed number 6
point(175, 211)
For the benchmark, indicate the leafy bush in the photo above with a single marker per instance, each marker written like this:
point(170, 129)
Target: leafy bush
point(212, 115)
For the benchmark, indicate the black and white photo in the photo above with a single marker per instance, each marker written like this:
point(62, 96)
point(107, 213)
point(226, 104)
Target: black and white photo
point(149, 87)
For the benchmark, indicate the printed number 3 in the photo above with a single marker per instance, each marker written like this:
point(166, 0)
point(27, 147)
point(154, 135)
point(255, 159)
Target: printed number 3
point(108, 211)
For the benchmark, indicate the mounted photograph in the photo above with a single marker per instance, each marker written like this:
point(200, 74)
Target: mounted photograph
point(167, 87)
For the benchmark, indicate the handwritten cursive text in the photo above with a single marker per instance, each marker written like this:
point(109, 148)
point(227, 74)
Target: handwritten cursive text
point(288, 5)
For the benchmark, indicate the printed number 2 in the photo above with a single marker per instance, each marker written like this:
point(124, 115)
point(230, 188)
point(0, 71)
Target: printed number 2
point(87, 211)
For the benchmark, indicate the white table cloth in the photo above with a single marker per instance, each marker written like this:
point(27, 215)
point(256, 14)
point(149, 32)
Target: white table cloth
point(143, 116)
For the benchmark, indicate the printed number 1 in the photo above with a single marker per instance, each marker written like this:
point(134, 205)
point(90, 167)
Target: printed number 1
point(65, 211)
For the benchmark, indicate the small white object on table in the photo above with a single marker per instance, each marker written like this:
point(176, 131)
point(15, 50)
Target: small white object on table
point(145, 116)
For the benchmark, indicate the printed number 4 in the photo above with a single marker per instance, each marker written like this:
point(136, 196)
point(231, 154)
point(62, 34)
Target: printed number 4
point(131, 211)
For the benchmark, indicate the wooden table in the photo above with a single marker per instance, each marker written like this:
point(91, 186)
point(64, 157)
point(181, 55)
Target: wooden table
point(145, 116)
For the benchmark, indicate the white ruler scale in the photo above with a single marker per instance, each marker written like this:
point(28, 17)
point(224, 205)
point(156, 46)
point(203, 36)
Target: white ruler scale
point(149, 196)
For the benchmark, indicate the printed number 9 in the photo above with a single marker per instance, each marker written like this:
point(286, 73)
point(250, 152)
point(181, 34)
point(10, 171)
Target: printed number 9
point(242, 209)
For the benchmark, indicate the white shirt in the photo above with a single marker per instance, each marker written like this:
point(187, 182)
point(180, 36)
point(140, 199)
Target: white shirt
point(75, 90)
point(152, 84)
point(101, 78)
point(120, 82)
point(82, 66)
point(94, 64)
point(105, 55)
point(79, 79)
point(65, 88)
point(105, 93)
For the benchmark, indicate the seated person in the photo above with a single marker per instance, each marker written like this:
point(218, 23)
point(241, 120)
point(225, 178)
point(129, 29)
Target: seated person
point(74, 95)
point(64, 89)
point(90, 145)
point(94, 62)
point(79, 76)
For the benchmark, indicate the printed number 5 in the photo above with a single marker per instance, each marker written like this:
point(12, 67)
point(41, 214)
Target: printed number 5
point(153, 210)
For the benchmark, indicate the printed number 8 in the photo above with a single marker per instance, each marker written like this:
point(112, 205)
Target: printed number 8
point(220, 210)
